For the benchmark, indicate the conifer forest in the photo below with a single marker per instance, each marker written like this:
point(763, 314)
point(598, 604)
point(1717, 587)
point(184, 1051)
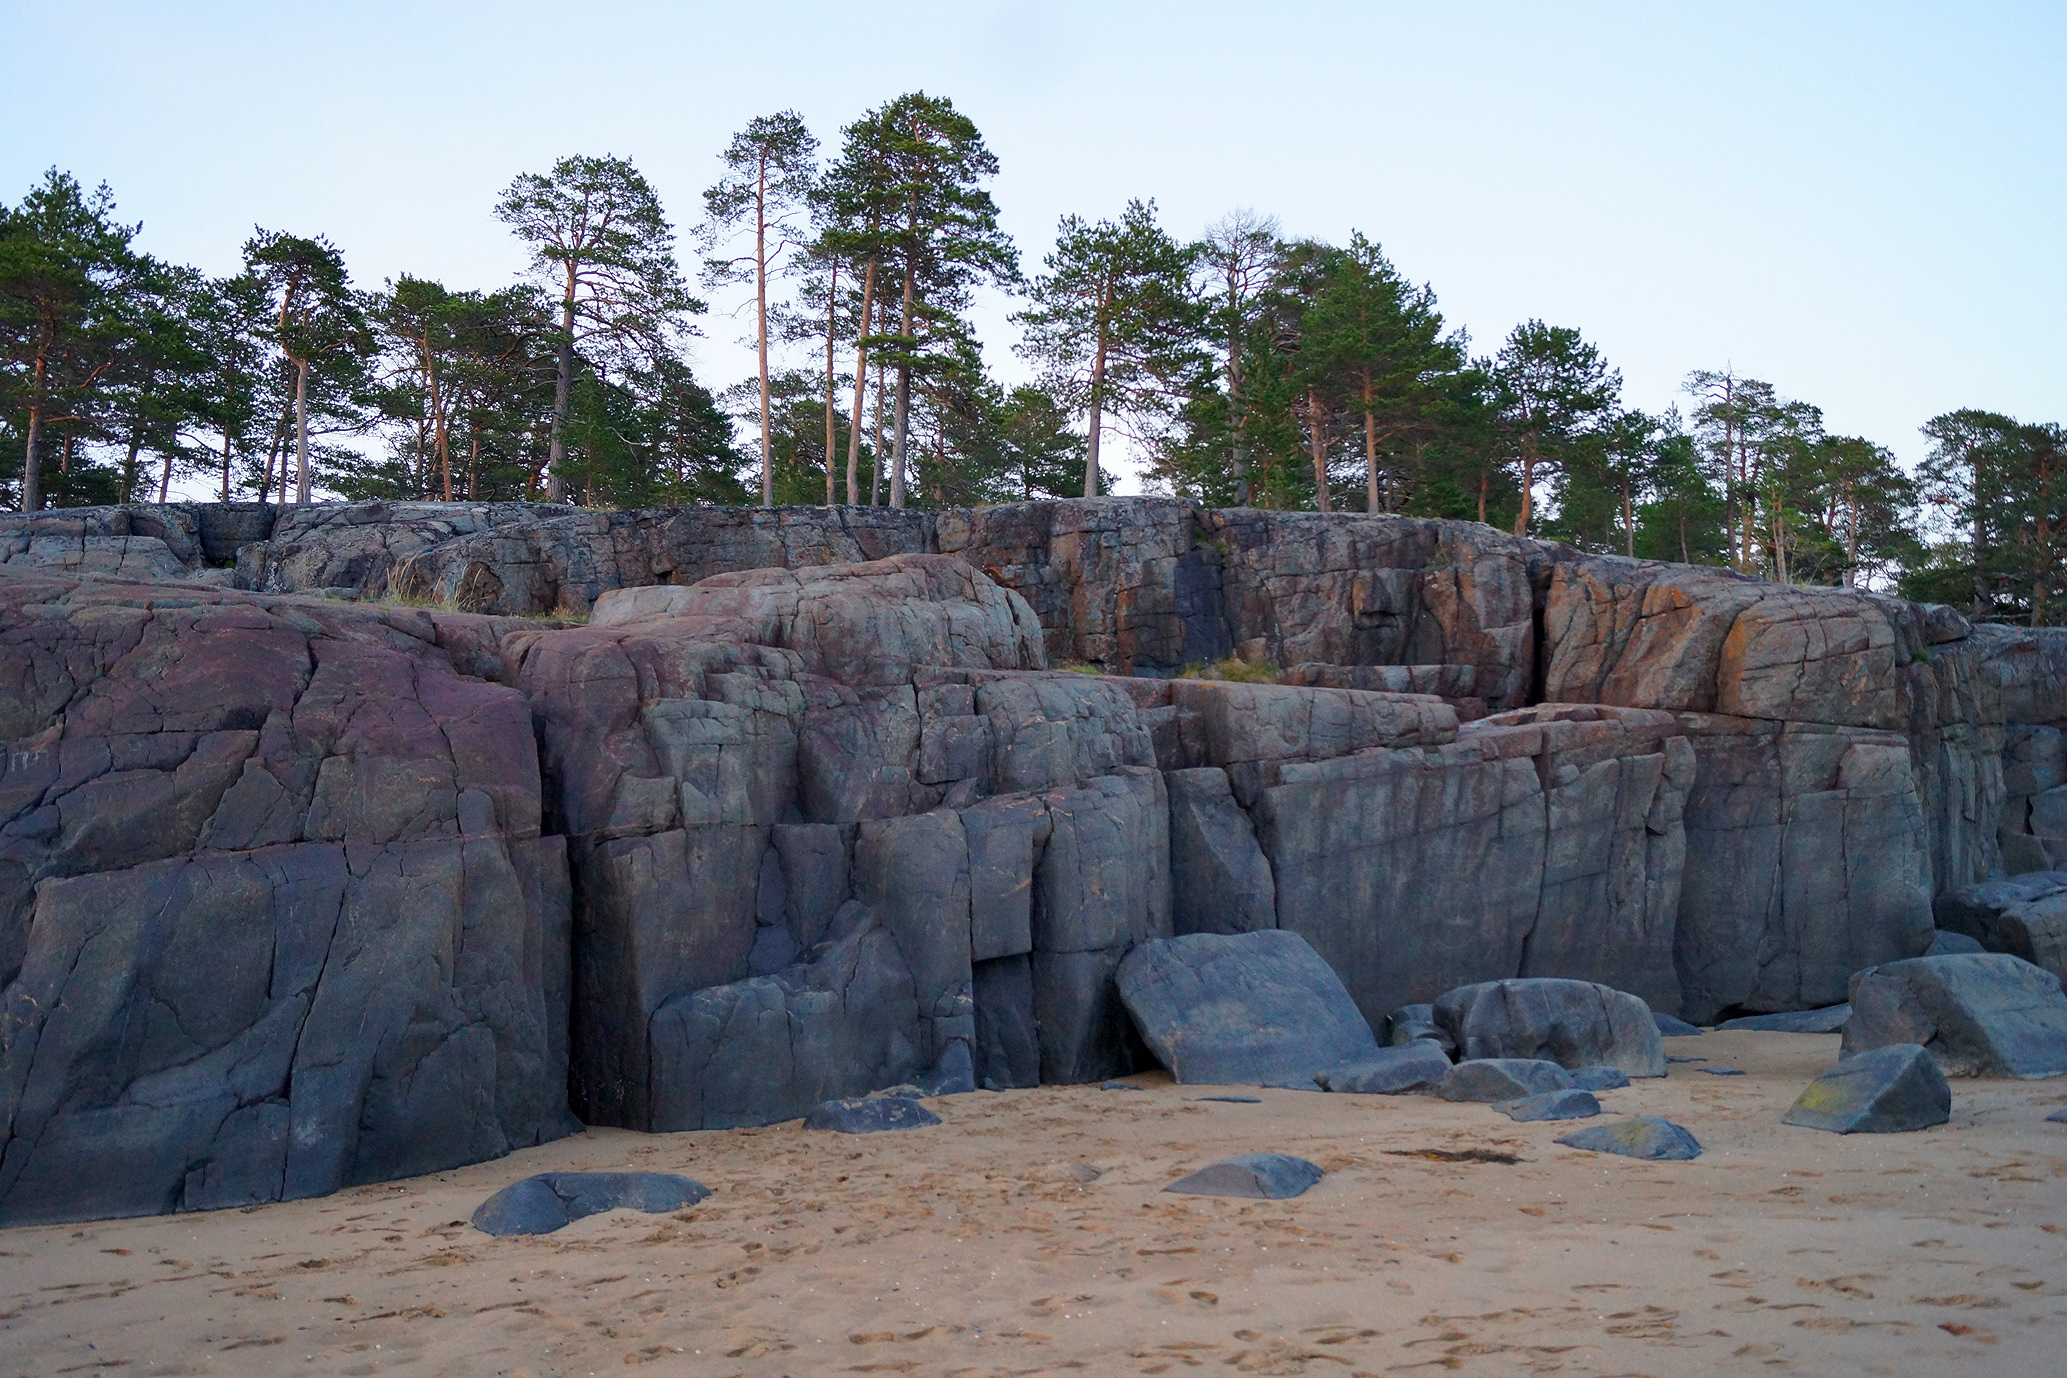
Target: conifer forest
point(1231, 363)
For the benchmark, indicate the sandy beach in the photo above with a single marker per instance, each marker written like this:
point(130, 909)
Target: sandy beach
point(1029, 1234)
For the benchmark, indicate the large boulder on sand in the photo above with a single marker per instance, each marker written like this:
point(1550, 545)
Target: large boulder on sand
point(1571, 1023)
point(1889, 1090)
point(542, 1204)
point(1254, 1008)
point(1986, 1015)
point(2025, 916)
point(1389, 1071)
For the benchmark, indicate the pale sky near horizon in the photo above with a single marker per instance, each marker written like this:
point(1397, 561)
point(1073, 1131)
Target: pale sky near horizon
point(1860, 203)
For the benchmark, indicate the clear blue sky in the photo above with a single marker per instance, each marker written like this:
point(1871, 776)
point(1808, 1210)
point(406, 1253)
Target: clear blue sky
point(1861, 203)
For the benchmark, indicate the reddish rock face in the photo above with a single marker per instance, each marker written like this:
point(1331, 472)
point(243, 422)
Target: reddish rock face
point(297, 892)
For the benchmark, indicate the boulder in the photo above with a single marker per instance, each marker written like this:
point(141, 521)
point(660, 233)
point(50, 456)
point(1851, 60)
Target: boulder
point(1600, 1078)
point(2058, 1116)
point(1257, 1008)
point(2025, 916)
point(1388, 1071)
point(1824, 1021)
point(1411, 1022)
point(1502, 1079)
point(1944, 944)
point(1571, 1023)
point(542, 1204)
point(1888, 1090)
point(1265, 1176)
point(1219, 878)
point(870, 1115)
point(1670, 1027)
point(1575, 1104)
point(1985, 1015)
point(1645, 1136)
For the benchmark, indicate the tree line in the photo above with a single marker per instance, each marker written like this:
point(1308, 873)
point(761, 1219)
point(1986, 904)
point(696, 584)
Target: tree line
point(1244, 367)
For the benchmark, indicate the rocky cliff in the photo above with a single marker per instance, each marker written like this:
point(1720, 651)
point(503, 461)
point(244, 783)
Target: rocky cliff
point(299, 891)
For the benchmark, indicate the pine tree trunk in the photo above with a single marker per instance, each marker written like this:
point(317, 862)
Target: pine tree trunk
point(1521, 523)
point(1628, 524)
point(563, 397)
point(1370, 450)
point(32, 452)
point(832, 298)
point(860, 417)
point(1097, 419)
point(302, 486)
point(903, 418)
point(761, 333)
point(1317, 425)
point(225, 463)
point(438, 421)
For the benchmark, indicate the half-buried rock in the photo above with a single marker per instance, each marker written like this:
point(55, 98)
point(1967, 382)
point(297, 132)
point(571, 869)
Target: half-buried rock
point(869, 1115)
point(1981, 1015)
point(1601, 1078)
point(542, 1204)
point(1258, 1009)
point(1551, 1105)
point(1571, 1023)
point(1670, 1026)
point(1828, 1020)
point(1889, 1090)
point(1495, 1079)
point(1389, 1071)
point(1647, 1137)
point(1267, 1176)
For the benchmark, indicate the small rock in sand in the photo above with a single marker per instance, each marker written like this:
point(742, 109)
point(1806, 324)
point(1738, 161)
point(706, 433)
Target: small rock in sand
point(870, 1115)
point(1646, 1136)
point(1889, 1090)
point(1600, 1078)
point(1669, 1027)
point(542, 1204)
point(1502, 1078)
point(1552, 1105)
point(1388, 1071)
point(1268, 1176)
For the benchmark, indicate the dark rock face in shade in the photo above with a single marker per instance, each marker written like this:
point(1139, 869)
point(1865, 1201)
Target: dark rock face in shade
point(542, 1204)
point(1980, 1015)
point(301, 889)
point(1265, 1176)
point(1824, 1021)
point(1889, 1090)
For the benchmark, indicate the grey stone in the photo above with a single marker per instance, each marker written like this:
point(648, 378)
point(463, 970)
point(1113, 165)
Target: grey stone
point(1388, 1071)
point(1988, 1014)
point(1947, 944)
point(1410, 1022)
point(1824, 1021)
point(871, 1115)
point(1721, 1071)
point(2058, 1116)
point(1888, 1090)
point(1007, 1048)
point(1575, 1104)
point(1599, 1078)
point(1079, 1019)
point(1220, 880)
point(2024, 916)
point(1264, 1176)
point(1502, 1079)
point(1571, 1023)
point(1669, 1027)
point(550, 1200)
point(1645, 1136)
point(1260, 1008)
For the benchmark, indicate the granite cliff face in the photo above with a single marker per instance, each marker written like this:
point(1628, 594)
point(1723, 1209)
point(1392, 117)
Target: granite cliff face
point(298, 892)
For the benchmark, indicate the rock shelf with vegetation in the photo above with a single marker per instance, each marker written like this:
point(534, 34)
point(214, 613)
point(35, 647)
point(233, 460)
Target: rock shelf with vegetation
point(349, 842)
